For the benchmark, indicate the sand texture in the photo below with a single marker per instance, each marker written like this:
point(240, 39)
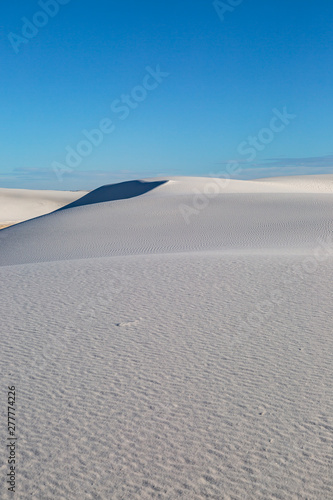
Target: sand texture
point(172, 338)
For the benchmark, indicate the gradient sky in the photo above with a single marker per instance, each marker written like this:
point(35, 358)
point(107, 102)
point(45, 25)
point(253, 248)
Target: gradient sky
point(229, 76)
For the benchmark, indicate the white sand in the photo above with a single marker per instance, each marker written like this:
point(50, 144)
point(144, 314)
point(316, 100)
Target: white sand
point(156, 358)
point(18, 205)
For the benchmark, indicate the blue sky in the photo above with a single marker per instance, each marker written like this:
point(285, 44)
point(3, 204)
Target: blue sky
point(175, 88)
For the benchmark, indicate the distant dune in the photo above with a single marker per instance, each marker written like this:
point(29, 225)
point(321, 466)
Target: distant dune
point(178, 215)
point(171, 338)
point(17, 205)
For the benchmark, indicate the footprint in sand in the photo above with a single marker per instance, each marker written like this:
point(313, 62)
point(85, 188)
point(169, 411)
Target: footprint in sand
point(129, 323)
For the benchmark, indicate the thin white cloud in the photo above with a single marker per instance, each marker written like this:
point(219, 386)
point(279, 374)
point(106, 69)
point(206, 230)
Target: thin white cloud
point(274, 167)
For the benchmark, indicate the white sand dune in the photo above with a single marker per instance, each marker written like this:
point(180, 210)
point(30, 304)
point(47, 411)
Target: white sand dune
point(17, 205)
point(175, 216)
point(306, 183)
point(173, 340)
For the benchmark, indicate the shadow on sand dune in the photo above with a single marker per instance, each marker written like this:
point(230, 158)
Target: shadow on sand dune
point(112, 192)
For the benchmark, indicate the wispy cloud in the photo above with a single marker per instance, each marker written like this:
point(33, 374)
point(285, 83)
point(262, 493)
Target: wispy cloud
point(274, 167)
point(292, 166)
point(311, 161)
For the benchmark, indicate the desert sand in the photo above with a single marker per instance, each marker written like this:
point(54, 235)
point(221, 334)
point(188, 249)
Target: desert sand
point(18, 205)
point(172, 338)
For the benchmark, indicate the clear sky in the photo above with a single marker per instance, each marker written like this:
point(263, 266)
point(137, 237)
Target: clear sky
point(175, 88)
